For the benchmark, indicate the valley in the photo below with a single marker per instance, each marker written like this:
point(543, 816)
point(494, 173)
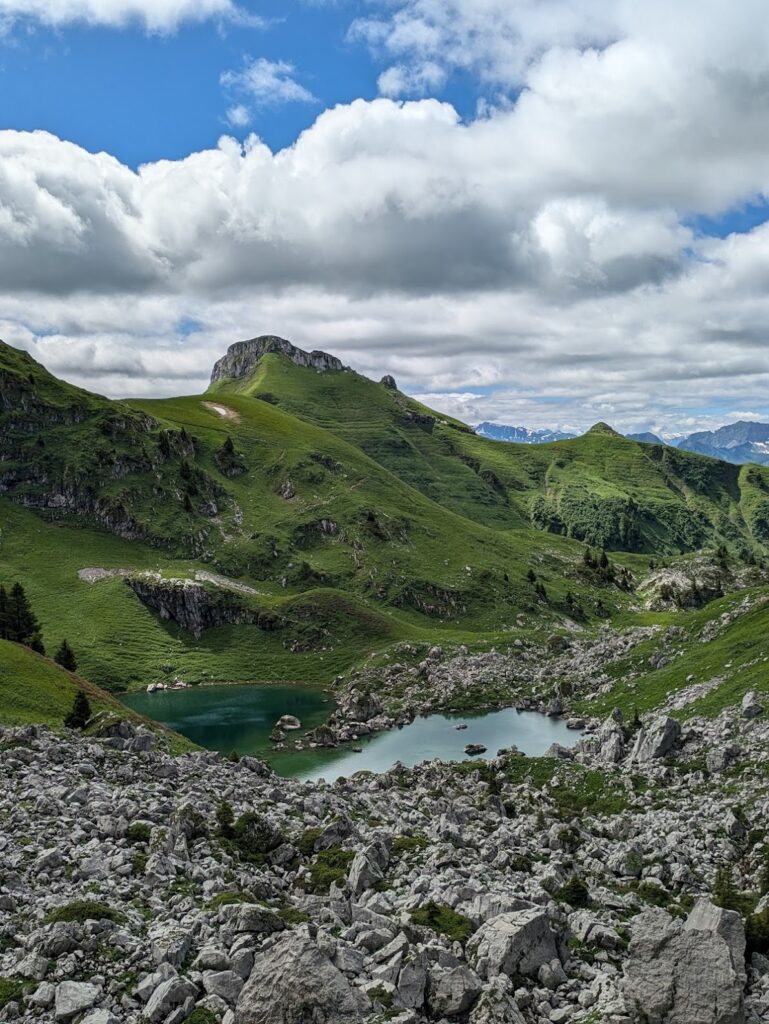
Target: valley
point(301, 541)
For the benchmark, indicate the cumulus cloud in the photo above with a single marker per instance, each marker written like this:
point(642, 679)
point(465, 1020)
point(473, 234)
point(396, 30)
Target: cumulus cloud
point(155, 15)
point(540, 263)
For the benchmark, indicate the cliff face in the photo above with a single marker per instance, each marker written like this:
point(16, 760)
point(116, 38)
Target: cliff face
point(195, 607)
point(243, 356)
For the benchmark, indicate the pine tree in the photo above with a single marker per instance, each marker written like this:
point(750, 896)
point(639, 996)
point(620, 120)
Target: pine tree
point(4, 614)
point(65, 657)
point(531, 576)
point(603, 561)
point(22, 626)
point(80, 714)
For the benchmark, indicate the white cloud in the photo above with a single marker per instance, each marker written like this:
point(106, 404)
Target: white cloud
point(537, 264)
point(238, 115)
point(155, 15)
point(266, 82)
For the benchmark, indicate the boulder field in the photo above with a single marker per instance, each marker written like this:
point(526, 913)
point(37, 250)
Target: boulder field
point(581, 887)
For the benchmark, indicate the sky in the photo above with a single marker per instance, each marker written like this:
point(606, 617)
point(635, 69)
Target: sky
point(537, 212)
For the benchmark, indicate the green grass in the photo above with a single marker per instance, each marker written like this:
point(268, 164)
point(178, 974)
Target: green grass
point(400, 525)
point(12, 990)
point(736, 656)
point(81, 911)
point(443, 920)
point(36, 691)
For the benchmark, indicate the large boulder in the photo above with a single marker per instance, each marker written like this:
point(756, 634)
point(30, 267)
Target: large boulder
point(689, 972)
point(452, 991)
point(656, 740)
point(295, 982)
point(515, 943)
point(73, 997)
point(368, 867)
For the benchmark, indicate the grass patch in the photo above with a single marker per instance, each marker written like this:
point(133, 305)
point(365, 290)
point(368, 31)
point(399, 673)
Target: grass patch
point(80, 911)
point(443, 920)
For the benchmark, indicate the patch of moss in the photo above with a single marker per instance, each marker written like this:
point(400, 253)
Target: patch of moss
point(330, 865)
point(443, 920)
point(80, 911)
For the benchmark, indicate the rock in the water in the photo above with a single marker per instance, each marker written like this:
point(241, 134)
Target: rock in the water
point(686, 973)
point(290, 723)
point(295, 981)
point(515, 943)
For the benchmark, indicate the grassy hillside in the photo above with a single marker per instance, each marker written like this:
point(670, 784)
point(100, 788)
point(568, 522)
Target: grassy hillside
point(601, 488)
point(354, 516)
point(34, 690)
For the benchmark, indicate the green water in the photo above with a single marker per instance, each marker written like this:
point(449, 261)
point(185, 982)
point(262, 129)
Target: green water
point(241, 718)
point(227, 718)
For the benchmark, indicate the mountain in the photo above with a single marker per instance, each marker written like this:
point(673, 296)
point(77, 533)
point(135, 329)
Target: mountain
point(297, 516)
point(520, 435)
point(645, 438)
point(738, 443)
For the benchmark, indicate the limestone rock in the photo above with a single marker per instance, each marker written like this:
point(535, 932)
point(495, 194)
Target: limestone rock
point(73, 998)
point(656, 740)
point(295, 981)
point(515, 943)
point(686, 973)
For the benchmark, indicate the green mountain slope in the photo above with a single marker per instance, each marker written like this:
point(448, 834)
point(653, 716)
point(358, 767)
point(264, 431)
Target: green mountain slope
point(36, 691)
point(295, 520)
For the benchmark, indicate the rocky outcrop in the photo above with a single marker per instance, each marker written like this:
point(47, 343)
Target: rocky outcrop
point(295, 981)
point(243, 356)
point(516, 943)
point(656, 740)
point(686, 972)
point(196, 607)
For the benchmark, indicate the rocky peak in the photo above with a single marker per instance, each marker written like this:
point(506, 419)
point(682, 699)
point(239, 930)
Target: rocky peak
point(243, 356)
point(603, 428)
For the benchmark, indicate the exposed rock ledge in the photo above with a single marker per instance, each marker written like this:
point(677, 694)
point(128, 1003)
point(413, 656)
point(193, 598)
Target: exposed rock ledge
point(243, 356)
point(194, 606)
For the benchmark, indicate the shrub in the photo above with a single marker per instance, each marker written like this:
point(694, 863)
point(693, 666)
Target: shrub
point(443, 920)
point(81, 911)
point(138, 832)
point(574, 892)
point(11, 991)
point(330, 865)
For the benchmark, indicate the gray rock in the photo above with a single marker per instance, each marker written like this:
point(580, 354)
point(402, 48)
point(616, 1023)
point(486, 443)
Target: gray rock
point(167, 996)
point(452, 991)
point(73, 997)
point(225, 984)
point(656, 740)
point(295, 981)
point(515, 943)
point(368, 868)
point(680, 973)
point(751, 705)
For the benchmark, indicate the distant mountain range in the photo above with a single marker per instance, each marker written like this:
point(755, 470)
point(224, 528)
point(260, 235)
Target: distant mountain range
point(737, 443)
point(520, 435)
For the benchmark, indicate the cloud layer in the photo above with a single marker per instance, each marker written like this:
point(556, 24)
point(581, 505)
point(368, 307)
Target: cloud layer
point(539, 263)
point(155, 15)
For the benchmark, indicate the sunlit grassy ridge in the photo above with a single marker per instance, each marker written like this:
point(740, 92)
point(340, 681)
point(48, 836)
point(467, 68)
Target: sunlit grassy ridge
point(360, 517)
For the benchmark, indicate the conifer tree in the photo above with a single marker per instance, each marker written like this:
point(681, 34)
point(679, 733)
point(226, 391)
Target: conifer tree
point(65, 657)
point(19, 622)
point(4, 613)
point(81, 712)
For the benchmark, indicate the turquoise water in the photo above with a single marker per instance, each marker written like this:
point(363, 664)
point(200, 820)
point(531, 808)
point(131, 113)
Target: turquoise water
point(227, 718)
point(241, 718)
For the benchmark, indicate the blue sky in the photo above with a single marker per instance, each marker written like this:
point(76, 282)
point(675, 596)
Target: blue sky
point(144, 97)
point(545, 212)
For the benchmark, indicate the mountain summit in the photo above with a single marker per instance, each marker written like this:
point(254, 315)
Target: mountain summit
point(243, 356)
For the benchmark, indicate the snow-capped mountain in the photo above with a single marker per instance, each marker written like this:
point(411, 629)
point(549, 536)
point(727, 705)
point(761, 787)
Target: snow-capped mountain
point(520, 435)
point(736, 442)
